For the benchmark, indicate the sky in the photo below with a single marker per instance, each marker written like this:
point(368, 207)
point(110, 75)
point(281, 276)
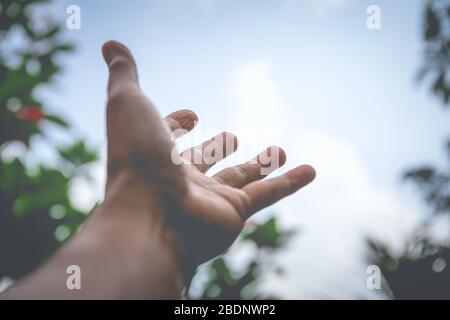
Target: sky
point(307, 75)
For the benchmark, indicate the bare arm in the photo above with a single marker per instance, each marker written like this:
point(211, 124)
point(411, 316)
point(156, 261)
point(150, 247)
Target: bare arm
point(123, 252)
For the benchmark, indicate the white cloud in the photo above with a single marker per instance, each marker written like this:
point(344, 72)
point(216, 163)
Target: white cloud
point(259, 106)
point(335, 212)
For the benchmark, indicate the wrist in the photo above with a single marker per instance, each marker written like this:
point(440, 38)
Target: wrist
point(130, 225)
point(160, 213)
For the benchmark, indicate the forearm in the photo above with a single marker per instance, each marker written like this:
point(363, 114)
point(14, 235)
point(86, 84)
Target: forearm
point(127, 255)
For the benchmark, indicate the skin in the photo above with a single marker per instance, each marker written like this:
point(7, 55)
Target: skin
point(162, 216)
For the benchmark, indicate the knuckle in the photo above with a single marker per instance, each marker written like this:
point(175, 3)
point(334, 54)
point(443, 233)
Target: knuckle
point(242, 172)
point(122, 95)
point(121, 63)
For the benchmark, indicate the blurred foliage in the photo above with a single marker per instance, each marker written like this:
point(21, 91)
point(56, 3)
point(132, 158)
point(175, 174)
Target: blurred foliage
point(434, 184)
point(436, 35)
point(225, 283)
point(36, 213)
point(420, 271)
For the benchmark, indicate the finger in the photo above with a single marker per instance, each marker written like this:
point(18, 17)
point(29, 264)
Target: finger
point(122, 67)
point(181, 122)
point(266, 192)
point(205, 155)
point(259, 167)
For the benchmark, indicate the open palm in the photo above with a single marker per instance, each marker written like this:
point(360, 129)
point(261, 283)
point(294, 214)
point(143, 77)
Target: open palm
point(206, 212)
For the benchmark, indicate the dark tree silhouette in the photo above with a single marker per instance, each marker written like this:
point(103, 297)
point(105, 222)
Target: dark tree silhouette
point(436, 37)
point(421, 271)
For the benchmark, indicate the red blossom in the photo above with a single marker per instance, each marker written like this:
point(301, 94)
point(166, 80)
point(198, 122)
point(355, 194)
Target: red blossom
point(33, 114)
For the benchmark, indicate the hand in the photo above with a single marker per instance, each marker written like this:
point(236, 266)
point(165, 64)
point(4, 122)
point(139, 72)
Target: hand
point(161, 212)
point(207, 213)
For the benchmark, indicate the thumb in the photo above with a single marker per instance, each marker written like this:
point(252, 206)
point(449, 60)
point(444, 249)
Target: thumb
point(122, 67)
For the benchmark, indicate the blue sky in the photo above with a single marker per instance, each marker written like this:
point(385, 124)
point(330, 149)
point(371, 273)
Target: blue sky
point(308, 75)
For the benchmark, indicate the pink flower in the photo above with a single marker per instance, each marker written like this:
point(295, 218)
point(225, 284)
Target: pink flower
point(33, 114)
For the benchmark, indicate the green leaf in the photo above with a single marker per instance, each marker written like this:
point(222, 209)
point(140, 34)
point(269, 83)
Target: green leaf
point(57, 120)
point(79, 154)
point(267, 235)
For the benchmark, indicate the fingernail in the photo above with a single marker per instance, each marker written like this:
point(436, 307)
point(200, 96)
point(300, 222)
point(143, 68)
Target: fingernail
point(108, 52)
